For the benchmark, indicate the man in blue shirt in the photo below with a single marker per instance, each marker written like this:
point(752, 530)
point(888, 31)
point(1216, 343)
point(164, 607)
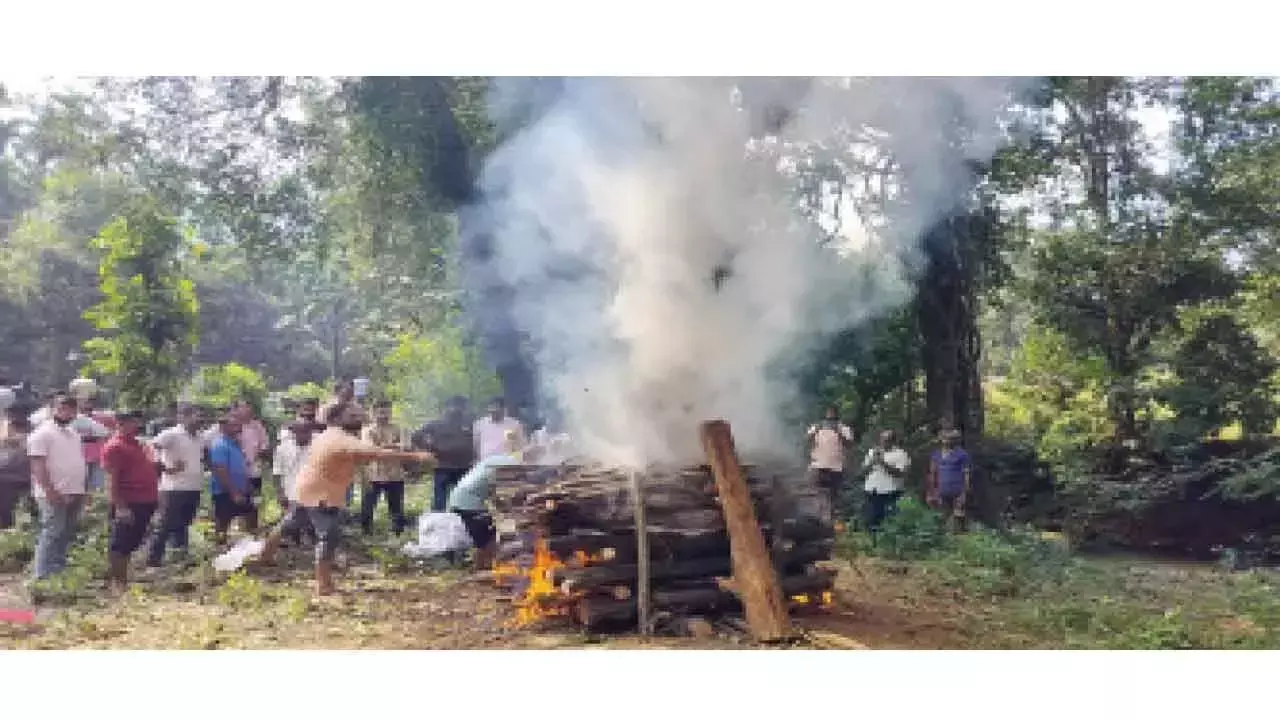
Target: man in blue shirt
point(229, 484)
point(950, 477)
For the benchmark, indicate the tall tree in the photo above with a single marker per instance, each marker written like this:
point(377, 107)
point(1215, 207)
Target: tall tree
point(148, 318)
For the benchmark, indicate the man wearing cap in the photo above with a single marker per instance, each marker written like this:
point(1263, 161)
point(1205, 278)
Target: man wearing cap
point(178, 450)
point(133, 490)
point(950, 477)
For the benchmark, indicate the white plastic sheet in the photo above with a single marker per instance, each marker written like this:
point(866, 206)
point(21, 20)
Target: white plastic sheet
point(439, 533)
point(233, 559)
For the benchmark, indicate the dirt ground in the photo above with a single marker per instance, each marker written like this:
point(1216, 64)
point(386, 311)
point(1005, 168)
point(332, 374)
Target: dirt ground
point(404, 608)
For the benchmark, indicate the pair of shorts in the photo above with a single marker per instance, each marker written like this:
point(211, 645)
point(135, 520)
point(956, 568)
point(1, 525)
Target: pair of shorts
point(479, 526)
point(127, 537)
point(225, 509)
point(324, 522)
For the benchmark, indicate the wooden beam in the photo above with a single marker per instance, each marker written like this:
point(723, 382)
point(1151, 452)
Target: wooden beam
point(754, 578)
point(642, 553)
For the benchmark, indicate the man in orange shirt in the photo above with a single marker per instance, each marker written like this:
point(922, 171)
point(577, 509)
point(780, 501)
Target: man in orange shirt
point(322, 485)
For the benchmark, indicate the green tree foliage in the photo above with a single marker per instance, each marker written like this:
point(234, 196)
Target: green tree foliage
point(424, 371)
point(147, 319)
point(218, 386)
point(1223, 377)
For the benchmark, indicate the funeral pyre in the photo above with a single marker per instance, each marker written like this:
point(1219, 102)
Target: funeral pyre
point(568, 544)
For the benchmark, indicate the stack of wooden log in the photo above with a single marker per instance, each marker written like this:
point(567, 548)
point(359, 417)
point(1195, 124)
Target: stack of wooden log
point(569, 544)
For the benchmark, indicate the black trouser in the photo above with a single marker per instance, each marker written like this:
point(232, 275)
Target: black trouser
point(225, 510)
point(880, 506)
point(395, 504)
point(128, 536)
point(479, 526)
point(11, 495)
point(178, 510)
point(442, 483)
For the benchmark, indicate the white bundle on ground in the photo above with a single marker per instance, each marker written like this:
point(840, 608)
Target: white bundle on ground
point(233, 559)
point(438, 533)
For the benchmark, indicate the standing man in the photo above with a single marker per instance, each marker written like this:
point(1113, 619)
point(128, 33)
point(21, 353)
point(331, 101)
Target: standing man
point(323, 481)
point(232, 493)
point(451, 439)
point(828, 441)
point(950, 478)
point(491, 430)
point(255, 443)
point(885, 467)
point(385, 476)
point(15, 468)
point(290, 455)
point(133, 490)
point(178, 450)
point(58, 484)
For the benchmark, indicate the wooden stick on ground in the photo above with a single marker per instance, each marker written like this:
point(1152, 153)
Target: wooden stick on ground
point(642, 553)
point(754, 578)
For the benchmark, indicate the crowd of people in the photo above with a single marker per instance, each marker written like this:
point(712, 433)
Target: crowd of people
point(155, 475)
point(948, 481)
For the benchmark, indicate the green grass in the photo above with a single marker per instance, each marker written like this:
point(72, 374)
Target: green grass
point(1018, 589)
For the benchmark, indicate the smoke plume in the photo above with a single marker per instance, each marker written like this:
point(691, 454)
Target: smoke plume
point(667, 245)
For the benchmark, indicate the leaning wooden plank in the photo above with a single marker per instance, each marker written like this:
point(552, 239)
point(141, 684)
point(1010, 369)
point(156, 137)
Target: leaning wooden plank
point(755, 579)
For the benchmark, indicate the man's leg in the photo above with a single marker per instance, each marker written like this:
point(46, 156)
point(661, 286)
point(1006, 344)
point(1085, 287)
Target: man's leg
point(58, 525)
point(189, 505)
point(8, 503)
point(368, 502)
point(442, 482)
point(52, 520)
point(328, 526)
point(395, 505)
point(166, 528)
point(125, 538)
point(223, 514)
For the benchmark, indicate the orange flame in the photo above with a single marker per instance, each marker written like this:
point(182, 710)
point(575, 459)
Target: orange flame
point(541, 599)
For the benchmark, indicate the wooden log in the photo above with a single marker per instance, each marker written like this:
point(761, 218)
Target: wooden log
point(642, 553)
point(579, 579)
point(574, 580)
point(596, 611)
point(753, 571)
point(664, 543)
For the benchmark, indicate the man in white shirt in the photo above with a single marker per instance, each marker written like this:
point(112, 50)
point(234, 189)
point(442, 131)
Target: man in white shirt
point(491, 430)
point(179, 451)
point(290, 454)
point(828, 441)
point(58, 473)
point(885, 467)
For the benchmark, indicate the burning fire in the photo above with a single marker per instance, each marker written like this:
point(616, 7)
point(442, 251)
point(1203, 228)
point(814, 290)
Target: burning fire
point(541, 599)
point(823, 600)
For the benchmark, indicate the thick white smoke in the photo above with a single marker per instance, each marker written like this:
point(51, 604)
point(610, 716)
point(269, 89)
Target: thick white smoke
point(662, 263)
